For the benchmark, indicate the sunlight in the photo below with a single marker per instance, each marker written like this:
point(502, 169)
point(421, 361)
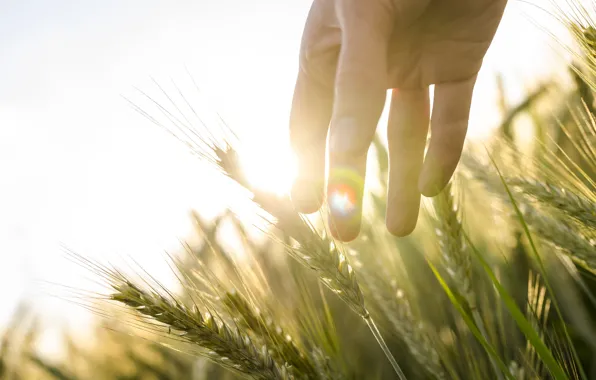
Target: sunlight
point(272, 168)
point(111, 184)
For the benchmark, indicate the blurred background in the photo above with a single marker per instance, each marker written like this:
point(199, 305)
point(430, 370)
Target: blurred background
point(80, 167)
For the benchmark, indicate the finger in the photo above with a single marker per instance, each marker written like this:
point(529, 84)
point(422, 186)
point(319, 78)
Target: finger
point(360, 91)
point(449, 124)
point(406, 135)
point(309, 122)
point(312, 105)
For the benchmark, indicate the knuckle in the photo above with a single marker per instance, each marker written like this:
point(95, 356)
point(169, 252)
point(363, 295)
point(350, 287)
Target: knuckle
point(318, 62)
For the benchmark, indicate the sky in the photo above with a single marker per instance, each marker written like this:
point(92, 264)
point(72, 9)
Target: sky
point(78, 166)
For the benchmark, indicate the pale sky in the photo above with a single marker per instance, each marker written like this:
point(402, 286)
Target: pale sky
point(79, 166)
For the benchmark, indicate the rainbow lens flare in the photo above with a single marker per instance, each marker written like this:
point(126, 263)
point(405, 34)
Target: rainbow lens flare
point(344, 192)
point(342, 200)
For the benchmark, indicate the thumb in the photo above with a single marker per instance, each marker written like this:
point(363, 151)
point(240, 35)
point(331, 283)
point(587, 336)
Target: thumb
point(360, 91)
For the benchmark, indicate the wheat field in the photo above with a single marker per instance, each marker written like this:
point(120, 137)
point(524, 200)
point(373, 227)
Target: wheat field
point(496, 282)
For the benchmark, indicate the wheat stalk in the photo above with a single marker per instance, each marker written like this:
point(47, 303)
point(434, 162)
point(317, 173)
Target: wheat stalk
point(572, 204)
point(537, 310)
point(413, 331)
point(228, 346)
point(456, 259)
point(273, 335)
point(314, 251)
point(455, 256)
point(559, 234)
point(394, 305)
point(554, 231)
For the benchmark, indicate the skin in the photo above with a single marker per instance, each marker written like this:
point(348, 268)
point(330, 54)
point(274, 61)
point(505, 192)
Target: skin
point(352, 52)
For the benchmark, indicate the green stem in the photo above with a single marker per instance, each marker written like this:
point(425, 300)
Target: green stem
point(377, 334)
point(480, 323)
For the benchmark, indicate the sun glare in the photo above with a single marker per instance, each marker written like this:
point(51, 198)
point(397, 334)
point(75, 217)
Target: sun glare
point(272, 168)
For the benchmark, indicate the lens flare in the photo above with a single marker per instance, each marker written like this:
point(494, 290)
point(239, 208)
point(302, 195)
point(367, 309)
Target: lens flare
point(344, 192)
point(342, 200)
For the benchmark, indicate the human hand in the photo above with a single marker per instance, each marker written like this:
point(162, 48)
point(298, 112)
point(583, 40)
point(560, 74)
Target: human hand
point(352, 51)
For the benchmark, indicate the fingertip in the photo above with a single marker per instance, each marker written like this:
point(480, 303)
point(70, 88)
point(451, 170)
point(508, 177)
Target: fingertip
point(432, 187)
point(344, 197)
point(402, 221)
point(344, 233)
point(436, 173)
point(401, 229)
point(443, 156)
point(307, 197)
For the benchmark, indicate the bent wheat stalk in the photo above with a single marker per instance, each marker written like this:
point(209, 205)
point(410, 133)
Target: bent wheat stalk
point(312, 250)
point(228, 346)
point(272, 334)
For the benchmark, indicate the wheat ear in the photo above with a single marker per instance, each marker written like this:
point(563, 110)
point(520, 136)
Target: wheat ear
point(572, 204)
point(456, 257)
point(272, 334)
point(227, 346)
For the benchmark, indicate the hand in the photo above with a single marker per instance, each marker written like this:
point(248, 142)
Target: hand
point(353, 51)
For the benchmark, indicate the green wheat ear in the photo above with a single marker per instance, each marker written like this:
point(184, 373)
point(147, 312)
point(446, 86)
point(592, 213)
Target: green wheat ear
point(274, 335)
point(227, 345)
